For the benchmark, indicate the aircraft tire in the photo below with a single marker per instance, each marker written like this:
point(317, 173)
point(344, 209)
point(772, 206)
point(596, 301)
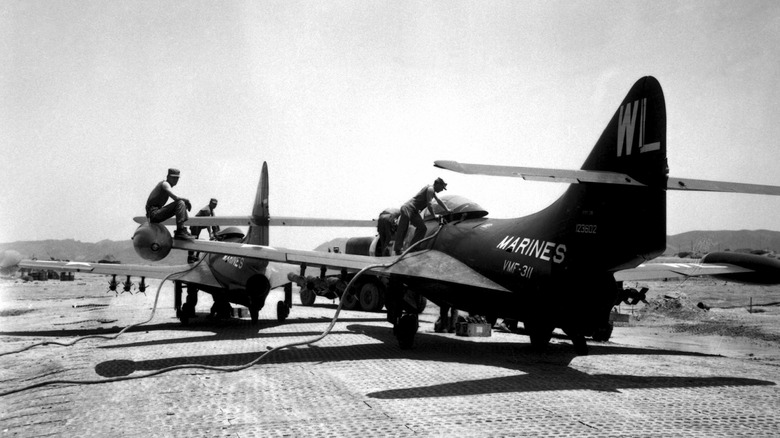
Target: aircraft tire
point(307, 297)
point(602, 334)
point(539, 333)
point(282, 311)
point(406, 329)
point(186, 312)
point(351, 301)
point(372, 295)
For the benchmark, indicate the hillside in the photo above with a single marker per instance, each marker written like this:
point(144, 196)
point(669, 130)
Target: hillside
point(708, 241)
point(122, 251)
point(74, 250)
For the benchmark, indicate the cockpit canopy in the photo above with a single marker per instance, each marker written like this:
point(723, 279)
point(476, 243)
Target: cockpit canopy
point(461, 208)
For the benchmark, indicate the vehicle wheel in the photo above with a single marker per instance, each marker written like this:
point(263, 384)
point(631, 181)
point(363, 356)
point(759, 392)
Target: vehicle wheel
point(282, 311)
point(307, 297)
point(351, 301)
point(406, 329)
point(602, 334)
point(372, 296)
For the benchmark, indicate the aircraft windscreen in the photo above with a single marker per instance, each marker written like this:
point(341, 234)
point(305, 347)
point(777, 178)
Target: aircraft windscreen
point(461, 207)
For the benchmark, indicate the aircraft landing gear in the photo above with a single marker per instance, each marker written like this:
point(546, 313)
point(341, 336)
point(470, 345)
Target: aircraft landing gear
point(405, 329)
point(222, 310)
point(403, 306)
point(282, 311)
point(283, 307)
point(578, 341)
point(185, 311)
point(539, 333)
point(602, 334)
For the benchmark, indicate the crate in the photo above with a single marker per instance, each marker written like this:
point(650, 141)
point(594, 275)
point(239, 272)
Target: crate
point(619, 317)
point(472, 329)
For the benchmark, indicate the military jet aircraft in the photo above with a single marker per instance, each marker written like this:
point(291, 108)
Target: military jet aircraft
point(561, 267)
point(228, 278)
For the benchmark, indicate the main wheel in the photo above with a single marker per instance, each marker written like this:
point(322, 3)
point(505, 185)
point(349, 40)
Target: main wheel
point(539, 333)
point(282, 311)
point(405, 330)
point(602, 334)
point(372, 296)
point(307, 297)
point(351, 301)
point(187, 311)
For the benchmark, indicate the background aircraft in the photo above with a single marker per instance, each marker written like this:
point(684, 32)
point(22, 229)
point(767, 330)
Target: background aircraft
point(561, 267)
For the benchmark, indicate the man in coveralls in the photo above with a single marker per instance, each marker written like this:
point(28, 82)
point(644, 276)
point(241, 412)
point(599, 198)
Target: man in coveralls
point(207, 211)
point(385, 227)
point(410, 212)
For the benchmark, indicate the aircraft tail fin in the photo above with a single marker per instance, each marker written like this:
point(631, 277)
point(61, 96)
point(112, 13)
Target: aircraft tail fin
point(626, 222)
point(634, 141)
point(258, 232)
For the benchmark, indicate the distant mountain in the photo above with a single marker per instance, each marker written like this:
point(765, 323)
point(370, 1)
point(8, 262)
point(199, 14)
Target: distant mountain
point(122, 251)
point(74, 250)
point(703, 242)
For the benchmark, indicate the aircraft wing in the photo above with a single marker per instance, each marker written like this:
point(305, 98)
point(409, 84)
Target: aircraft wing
point(660, 271)
point(581, 176)
point(104, 268)
point(210, 221)
point(428, 264)
point(201, 274)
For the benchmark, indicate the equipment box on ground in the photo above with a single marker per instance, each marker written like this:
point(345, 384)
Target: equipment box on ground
point(472, 329)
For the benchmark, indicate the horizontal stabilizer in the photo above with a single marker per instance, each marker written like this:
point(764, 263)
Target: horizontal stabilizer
point(589, 176)
point(539, 174)
point(274, 221)
point(699, 185)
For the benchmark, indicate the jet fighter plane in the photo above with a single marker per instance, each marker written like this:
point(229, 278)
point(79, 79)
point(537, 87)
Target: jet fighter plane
point(561, 267)
point(228, 278)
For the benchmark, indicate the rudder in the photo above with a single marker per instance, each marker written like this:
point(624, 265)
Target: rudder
point(258, 233)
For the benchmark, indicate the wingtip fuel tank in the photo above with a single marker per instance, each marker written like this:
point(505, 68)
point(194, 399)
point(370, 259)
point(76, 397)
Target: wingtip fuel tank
point(152, 242)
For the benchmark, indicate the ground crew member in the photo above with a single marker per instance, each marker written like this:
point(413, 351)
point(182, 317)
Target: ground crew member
point(386, 226)
point(157, 211)
point(207, 211)
point(410, 212)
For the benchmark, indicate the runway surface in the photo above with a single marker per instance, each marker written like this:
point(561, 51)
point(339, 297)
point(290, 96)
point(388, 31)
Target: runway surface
point(357, 382)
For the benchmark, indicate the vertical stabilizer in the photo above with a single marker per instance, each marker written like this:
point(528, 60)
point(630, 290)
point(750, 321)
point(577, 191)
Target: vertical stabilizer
point(622, 225)
point(258, 232)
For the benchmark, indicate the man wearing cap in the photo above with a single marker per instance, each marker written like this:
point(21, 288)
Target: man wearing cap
point(410, 212)
point(157, 211)
point(207, 211)
point(386, 226)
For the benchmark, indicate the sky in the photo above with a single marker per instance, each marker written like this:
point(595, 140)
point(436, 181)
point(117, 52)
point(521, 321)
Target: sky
point(351, 102)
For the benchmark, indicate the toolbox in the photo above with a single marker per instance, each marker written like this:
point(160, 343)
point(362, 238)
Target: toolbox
point(472, 329)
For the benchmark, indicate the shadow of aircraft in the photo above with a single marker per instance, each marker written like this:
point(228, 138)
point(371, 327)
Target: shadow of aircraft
point(548, 371)
point(222, 329)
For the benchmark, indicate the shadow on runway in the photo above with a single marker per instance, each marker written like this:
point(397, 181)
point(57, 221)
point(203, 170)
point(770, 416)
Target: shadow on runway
point(221, 329)
point(548, 371)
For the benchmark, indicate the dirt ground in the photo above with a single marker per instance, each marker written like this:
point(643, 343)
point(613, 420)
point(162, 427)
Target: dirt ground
point(706, 315)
